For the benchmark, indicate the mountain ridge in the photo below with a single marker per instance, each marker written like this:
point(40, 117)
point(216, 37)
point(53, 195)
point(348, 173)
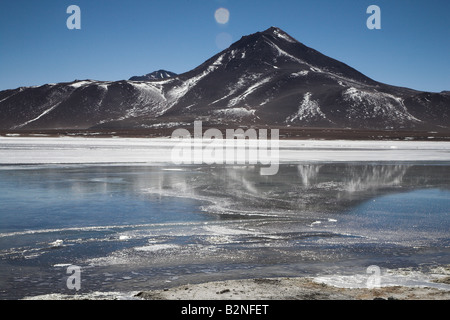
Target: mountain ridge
point(155, 75)
point(266, 78)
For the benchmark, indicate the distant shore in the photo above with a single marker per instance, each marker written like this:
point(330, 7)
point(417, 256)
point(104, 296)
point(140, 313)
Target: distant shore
point(284, 132)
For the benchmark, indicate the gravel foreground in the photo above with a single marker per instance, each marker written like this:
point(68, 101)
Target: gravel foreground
point(266, 289)
point(290, 289)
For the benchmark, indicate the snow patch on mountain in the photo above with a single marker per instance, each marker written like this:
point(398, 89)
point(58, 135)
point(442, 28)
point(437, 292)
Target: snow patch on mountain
point(166, 125)
point(164, 74)
point(302, 73)
point(56, 98)
point(38, 117)
point(235, 112)
point(79, 84)
point(308, 110)
point(149, 101)
point(13, 94)
point(103, 86)
point(247, 92)
point(281, 52)
point(175, 94)
point(149, 91)
point(283, 36)
point(365, 104)
point(240, 85)
point(315, 69)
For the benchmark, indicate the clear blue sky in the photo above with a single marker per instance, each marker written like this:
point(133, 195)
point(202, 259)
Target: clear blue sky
point(120, 39)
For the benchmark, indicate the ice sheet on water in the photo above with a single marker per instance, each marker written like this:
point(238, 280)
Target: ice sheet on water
point(87, 296)
point(77, 150)
point(157, 247)
point(387, 278)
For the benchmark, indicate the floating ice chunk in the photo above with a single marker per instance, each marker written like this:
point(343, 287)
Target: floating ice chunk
point(157, 247)
point(388, 278)
point(57, 243)
point(61, 265)
point(223, 230)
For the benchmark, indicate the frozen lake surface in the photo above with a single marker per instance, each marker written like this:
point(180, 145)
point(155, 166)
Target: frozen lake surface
point(18, 150)
point(133, 221)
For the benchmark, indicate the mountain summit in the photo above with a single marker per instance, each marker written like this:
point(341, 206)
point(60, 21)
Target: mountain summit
point(266, 78)
point(160, 74)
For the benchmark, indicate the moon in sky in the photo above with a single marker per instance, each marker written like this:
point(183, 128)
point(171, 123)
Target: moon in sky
point(222, 15)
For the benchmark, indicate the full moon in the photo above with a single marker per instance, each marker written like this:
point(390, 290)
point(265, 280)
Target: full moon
point(222, 15)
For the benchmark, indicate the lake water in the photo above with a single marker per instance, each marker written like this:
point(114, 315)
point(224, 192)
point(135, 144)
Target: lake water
point(140, 227)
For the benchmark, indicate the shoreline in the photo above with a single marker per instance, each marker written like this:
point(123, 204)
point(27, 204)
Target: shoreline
point(284, 133)
point(290, 289)
point(395, 284)
point(285, 288)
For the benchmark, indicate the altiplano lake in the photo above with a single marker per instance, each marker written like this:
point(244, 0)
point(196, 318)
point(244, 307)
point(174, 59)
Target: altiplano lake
point(139, 227)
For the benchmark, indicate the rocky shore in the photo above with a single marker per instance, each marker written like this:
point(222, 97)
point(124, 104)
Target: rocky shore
point(290, 289)
point(268, 289)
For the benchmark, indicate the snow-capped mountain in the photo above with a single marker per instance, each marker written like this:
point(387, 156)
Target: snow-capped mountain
point(267, 78)
point(160, 74)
